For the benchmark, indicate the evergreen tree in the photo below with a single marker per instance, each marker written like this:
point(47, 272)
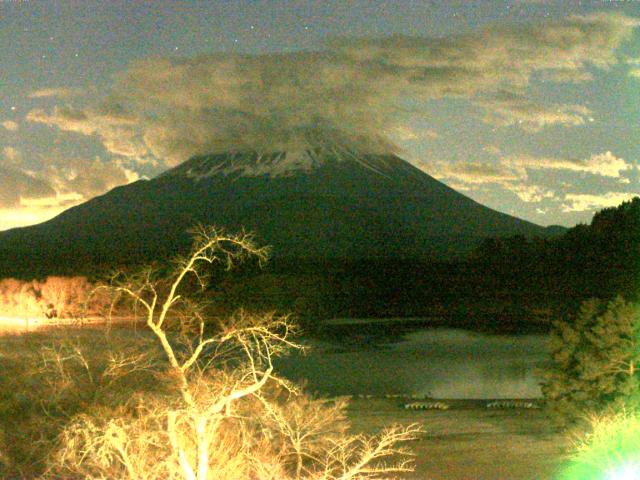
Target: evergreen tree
point(595, 360)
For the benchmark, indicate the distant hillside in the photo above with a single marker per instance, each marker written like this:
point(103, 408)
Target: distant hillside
point(597, 260)
point(321, 203)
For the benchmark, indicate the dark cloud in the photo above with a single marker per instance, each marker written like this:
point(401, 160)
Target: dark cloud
point(28, 197)
point(16, 185)
point(118, 131)
point(86, 179)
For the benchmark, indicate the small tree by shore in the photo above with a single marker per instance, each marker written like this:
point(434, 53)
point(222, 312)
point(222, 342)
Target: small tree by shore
point(595, 358)
point(226, 414)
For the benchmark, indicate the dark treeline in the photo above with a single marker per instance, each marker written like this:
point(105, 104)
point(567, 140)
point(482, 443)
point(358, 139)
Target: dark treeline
point(597, 260)
point(452, 294)
point(505, 282)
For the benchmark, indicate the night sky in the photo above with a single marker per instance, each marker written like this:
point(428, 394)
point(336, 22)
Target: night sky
point(529, 107)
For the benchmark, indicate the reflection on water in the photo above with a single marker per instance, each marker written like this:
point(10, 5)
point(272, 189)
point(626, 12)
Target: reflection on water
point(401, 359)
point(436, 362)
point(18, 325)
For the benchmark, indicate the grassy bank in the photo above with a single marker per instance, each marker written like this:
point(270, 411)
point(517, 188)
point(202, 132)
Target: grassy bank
point(470, 441)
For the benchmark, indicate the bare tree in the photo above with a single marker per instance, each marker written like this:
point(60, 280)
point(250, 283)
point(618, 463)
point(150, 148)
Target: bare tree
point(231, 416)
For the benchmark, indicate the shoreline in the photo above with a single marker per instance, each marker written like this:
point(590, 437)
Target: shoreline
point(28, 321)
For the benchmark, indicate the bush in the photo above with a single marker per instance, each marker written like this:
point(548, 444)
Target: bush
point(54, 296)
point(48, 378)
point(594, 360)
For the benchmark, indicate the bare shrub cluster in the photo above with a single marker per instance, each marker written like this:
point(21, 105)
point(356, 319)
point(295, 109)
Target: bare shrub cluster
point(49, 378)
point(54, 296)
point(225, 413)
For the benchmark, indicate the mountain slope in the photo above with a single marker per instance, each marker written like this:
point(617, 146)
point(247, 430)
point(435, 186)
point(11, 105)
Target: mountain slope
point(321, 203)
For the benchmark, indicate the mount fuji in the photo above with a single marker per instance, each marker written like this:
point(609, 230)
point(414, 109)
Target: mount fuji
point(320, 203)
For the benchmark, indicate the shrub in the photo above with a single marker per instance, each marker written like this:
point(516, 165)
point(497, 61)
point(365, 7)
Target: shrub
point(49, 377)
point(55, 296)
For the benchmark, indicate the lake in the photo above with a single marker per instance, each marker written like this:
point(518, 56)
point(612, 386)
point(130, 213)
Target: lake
point(387, 358)
point(399, 357)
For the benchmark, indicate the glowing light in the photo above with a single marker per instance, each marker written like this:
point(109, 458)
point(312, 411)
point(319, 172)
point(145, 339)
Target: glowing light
point(629, 471)
point(610, 452)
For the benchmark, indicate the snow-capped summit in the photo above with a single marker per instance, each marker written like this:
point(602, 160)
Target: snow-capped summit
point(286, 163)
point(249, 164)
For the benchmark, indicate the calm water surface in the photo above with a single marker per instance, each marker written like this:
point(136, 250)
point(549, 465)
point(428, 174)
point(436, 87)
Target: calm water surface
point(384, 358)
point(435, 362)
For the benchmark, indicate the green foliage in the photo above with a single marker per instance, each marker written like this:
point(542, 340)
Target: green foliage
point(611, 450)
point(595, 358)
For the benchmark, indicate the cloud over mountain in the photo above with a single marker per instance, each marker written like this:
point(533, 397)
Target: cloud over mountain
point(168, 109)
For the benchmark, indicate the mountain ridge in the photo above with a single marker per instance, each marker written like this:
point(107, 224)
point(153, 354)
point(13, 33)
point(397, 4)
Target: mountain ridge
point(326, 203)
